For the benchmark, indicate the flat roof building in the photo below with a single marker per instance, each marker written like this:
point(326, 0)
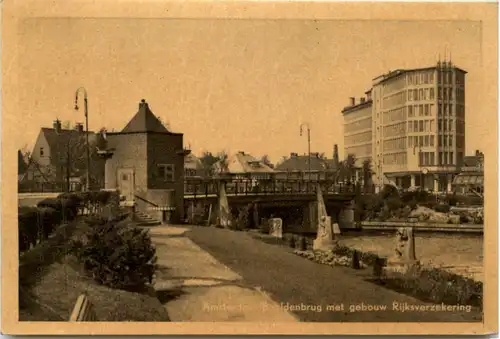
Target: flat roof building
point(417, 130)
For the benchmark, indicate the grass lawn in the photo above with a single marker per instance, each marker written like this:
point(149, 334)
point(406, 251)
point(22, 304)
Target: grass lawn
point(52, 280)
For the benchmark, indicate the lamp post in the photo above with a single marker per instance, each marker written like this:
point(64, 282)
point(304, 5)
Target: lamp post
point(306, 125)
point(85, 106)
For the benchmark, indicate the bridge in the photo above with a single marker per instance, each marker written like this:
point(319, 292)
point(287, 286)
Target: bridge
point(295, 201)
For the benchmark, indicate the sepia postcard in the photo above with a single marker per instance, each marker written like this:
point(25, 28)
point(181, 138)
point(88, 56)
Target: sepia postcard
point(249, 167)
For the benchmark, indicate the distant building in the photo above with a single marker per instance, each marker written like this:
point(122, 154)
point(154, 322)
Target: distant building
point(297, 167)
point(193, 168)
point(147, 165)
point(414, 121)
point(471, 177)
point(55, 151)
point(242, 165)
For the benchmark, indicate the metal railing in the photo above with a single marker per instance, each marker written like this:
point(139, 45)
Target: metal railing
point(208, 187)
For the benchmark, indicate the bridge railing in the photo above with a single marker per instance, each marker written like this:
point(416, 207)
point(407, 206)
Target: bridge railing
point(208, 187)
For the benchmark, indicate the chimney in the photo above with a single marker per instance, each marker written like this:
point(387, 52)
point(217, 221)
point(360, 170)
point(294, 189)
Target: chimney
point(369, 95)
point(57, 126)
point(143, 105)
point(79, 127)
point(315, 154)
point(362, 100)
point(336, 155)
point(293, 155)
point(352, 101)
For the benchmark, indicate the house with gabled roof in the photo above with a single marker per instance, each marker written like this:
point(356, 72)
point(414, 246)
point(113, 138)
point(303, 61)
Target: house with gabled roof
point(146, 163)
point(242, 165)
point(59, 156)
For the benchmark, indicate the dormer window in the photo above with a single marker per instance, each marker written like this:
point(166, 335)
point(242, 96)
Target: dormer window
point(255, 164)
point(41, 152)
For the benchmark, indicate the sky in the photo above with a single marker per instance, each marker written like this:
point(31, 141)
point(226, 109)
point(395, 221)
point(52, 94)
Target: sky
point(231, 84)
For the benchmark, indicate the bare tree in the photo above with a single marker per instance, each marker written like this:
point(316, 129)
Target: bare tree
point(265, 160)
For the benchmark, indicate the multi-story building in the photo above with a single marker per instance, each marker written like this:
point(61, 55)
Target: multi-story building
point(417, 126)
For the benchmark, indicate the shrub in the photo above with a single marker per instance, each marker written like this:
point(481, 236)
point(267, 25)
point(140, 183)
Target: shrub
point(118, 257)
point(442, 208)
point(394, 203)
point(28, 227)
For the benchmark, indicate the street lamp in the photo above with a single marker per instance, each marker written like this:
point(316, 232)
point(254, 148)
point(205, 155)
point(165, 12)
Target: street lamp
point(85, 106)
point(305, 124)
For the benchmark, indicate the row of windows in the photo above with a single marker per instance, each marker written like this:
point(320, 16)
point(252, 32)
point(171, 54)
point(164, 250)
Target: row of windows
point(421, 141)
point(358, 125)
point(395, 159)
point(420, 110)
point(394, 115)
point(421, 94)
point(446, 125)
point(359, 151)
point(445, 141)
point(364, 112)
point(446, 93)
point(358, 138)
point(426, 158)
point(446, 158)
point(394, 130)
point(417, 126)
point(445, 77)
point(395, 84)
point(421, 78)
point(396, 99)
point(394, 144)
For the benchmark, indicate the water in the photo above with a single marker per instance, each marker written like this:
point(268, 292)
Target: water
point(459, 253)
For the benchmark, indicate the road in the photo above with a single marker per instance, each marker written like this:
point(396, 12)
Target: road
point(292, 280)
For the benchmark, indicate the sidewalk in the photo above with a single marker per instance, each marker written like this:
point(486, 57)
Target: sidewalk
point(205, 289)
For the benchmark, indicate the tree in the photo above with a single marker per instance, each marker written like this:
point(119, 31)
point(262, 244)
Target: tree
point(265, 160)
point(350, 166)
point(208, 160)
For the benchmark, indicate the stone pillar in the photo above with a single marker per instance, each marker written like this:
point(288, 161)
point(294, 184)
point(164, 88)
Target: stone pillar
point(436, 183)
point(404, 258)
point(412, 180)
point(449, 180)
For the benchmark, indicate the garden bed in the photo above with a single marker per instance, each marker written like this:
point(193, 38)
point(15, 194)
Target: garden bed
point(426, 284)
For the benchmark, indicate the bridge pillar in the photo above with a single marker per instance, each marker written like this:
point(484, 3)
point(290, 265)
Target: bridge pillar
point(346, 216)
point(223, 213)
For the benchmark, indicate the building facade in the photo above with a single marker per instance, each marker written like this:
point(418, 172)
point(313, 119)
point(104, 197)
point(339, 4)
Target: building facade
point(147, 165)
point(417, 126)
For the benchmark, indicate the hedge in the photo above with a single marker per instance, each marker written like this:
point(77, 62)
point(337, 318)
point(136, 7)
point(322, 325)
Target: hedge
point(37, 223)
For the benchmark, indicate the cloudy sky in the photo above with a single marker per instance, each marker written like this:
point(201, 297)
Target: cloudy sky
point(231, 84)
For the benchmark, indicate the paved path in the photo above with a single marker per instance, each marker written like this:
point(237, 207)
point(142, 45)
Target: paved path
point(292, 280)
point(196, 287)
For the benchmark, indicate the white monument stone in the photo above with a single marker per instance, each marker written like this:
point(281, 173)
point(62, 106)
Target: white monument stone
point(276, 227)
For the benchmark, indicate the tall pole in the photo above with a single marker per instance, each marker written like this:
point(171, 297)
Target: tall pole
point(85, 106)
point(308, 146)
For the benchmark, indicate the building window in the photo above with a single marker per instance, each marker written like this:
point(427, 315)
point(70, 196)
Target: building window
point(432, 140)
point(440, 159)
point(427, 110)
point(426, 141)
point(41, 152)
point(421, 126)
point(420, 110)
point(440, 141)
point(420, 141)
point(451, 158)
point(166, 172)
point(431, 93)
point(431, 158)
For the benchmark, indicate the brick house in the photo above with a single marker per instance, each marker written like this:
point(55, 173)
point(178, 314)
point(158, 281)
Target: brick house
point(147, 165)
